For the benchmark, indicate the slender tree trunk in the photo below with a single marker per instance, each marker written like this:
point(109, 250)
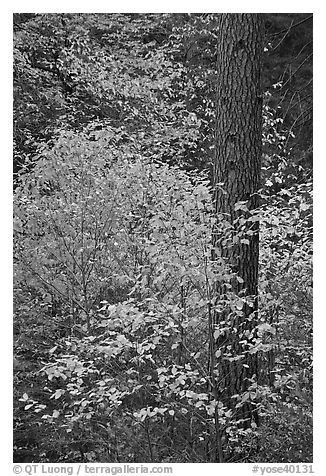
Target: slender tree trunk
point(237, 165)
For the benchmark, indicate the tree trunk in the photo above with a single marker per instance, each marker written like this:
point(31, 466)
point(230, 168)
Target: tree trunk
point(237, 166)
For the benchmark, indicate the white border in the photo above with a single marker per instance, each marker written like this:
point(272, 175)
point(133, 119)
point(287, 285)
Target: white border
point(319, 193)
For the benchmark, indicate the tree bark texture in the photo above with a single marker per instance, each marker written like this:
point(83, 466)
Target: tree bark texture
point(237, 164)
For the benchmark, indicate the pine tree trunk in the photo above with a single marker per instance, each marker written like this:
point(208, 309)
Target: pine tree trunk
point(237, 165)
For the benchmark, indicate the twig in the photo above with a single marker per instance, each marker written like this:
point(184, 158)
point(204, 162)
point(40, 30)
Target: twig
point(292, 26)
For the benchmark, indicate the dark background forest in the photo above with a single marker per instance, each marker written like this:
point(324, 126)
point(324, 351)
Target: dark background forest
point(114, 134)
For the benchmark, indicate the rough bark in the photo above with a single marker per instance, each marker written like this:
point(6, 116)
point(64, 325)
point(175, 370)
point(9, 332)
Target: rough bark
point(237, 166)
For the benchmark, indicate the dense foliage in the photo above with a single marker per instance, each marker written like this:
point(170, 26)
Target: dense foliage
point(115, 278)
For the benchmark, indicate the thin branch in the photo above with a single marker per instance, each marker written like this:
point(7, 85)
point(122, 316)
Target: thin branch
point(296, 70)
point(292, 26)
point(283, 38)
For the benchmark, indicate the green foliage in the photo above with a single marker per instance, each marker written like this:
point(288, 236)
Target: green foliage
point(115, 275)
point(106, 71)
point(148, 80)
point(90, 228)
point(118, 252)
